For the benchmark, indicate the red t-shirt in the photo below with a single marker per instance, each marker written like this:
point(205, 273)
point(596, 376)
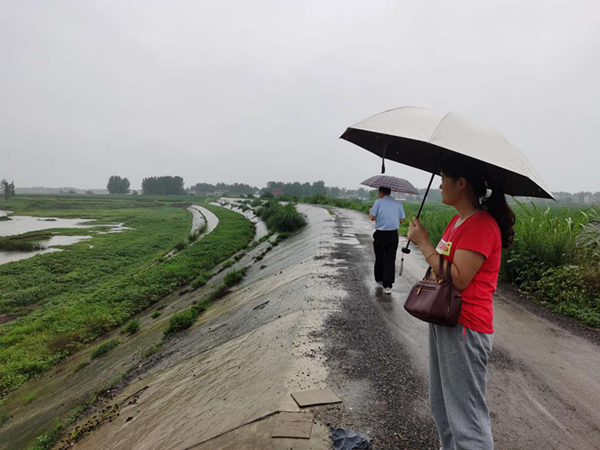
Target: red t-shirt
point(479, 233)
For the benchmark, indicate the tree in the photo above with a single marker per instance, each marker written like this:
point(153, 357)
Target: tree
point(118, 185)
point(89, 191)
point(318, 187)
point(5, 188)
point(165, 185)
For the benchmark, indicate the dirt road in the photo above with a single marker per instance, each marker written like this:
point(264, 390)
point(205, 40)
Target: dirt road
point(544, 374)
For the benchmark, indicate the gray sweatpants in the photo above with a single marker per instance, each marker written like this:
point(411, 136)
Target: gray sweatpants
point(457, 378)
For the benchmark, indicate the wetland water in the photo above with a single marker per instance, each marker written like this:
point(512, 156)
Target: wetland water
point(24, 224)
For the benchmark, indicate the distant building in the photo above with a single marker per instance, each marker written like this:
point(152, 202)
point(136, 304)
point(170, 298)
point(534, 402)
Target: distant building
point(277, 192)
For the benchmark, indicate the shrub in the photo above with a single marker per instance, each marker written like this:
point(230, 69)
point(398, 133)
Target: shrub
point(281, 218)
point(234, 277)
point(565, 290)
point(4, 417)
point(181, 321)
point(199, 281)
point(180, 246)
point(104, 348)
point(228, 263)
point(543, 240)
point(80, 365)
point(133, 326)
point(156, 314)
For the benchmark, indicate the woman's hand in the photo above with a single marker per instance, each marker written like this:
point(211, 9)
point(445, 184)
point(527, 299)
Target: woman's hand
point(417, 233)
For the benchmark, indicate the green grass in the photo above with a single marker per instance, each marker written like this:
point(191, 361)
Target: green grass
point(80, 365)
point(4, 418)
point(104, 348)
point(320, 199)
point(11, 245)
point(132, 327)
point(234, 277)
point(78, 295)
point(199, 281)
point(185, 319)
point(182, 320)
point(156, 314)
point(281, 218)
point(228, 263)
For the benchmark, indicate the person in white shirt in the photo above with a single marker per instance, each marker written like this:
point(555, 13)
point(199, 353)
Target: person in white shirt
point(388, 214)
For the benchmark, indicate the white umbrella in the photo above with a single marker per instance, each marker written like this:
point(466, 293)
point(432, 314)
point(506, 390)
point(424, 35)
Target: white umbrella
point(420, 138)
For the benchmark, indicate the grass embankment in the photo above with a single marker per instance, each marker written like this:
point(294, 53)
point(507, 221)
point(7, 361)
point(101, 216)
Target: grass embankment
point(81, 293)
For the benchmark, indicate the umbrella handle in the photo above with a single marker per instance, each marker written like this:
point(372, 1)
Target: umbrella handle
point(406, 250)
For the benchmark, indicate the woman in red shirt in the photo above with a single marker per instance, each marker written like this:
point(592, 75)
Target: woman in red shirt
point(458, 356)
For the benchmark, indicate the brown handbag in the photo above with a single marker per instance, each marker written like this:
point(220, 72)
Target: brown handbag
point(435, 301)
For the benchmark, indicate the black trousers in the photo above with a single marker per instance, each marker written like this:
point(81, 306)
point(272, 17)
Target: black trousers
point(385, 244)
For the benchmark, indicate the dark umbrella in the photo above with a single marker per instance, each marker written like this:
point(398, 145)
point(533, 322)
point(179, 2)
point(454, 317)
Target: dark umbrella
point(394, 183)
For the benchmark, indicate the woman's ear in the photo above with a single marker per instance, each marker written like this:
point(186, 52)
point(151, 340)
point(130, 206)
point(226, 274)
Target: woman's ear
point(462, 183)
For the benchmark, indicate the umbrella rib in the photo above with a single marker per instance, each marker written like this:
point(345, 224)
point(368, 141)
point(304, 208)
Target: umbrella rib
point(438, 125)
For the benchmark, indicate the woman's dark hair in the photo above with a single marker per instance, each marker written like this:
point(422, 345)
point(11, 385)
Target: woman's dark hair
point(385, 190)
point(476, 174)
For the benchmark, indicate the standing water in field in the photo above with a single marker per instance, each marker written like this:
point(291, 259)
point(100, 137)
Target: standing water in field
point(24, 224)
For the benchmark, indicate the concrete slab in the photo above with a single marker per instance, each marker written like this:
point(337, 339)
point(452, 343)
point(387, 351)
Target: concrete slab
point(315, 397)
point(292, 425)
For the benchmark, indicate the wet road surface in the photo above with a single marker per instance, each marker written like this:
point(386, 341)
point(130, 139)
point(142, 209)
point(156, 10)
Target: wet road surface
point(544, 377)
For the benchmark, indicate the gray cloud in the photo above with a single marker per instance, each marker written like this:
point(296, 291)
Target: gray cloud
point(257, 91)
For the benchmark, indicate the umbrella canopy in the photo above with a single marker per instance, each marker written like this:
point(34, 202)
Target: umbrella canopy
point(394, 183)
point(420, 138)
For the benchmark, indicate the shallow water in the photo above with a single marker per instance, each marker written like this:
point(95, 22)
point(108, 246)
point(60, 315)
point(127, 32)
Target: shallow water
point(25, 224)
point(6, 257)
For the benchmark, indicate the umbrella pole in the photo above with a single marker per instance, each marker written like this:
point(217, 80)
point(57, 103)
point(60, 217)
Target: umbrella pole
point(406, 250)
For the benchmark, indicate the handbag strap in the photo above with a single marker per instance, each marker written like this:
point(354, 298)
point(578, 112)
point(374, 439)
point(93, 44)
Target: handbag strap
point(449, 273)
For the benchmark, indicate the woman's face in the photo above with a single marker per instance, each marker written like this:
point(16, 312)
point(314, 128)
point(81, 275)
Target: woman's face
point(451, 190)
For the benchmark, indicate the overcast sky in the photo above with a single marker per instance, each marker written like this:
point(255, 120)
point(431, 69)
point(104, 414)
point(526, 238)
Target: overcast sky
point(252, 91)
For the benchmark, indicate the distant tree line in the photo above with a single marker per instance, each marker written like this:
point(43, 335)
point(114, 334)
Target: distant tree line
point(118, 185)
point(7, 188)
point(165, 185)
point(235, 188)
point(296, 188)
